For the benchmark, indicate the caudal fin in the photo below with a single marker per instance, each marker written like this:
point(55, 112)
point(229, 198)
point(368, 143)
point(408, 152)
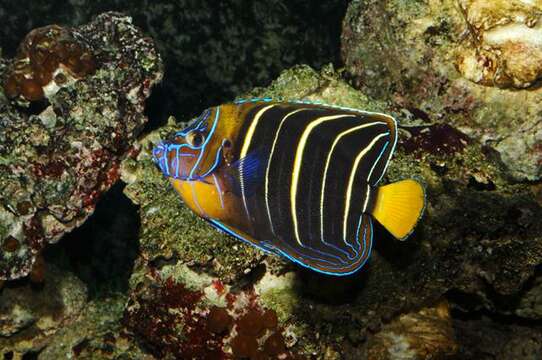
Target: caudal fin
point(399, 206)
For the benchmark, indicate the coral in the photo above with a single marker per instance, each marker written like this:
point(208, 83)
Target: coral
point(56, 161)
point(48, 58)
point(473, 65)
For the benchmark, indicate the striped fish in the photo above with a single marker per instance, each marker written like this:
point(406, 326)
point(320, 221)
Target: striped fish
point(296, 179)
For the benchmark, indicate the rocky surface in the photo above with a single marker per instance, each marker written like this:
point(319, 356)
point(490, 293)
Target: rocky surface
point(61, 150)
point(471, 64)
point(31, 313)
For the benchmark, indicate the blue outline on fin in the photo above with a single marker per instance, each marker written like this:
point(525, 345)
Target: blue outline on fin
point(282, 253)
point(272, 250)
point(376, 162)
point(217, 224)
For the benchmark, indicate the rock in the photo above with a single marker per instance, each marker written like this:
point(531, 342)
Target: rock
point(425, 334)
point(211, 51)
point(30, 315)
point(60, 151)
point(470, 64)
point(97, 332)
point(530, 304)
point(177, 313)
point(504, 46)
point(484, 337)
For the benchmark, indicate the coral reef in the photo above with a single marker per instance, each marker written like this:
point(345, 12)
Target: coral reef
point(470, 64)
point(180, 314)
point(466, 284)
point(59, 156)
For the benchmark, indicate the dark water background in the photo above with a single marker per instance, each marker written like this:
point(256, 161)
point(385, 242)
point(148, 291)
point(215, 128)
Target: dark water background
point(213, 50)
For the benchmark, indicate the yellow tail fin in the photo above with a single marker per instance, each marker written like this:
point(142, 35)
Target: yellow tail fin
point(399, 206)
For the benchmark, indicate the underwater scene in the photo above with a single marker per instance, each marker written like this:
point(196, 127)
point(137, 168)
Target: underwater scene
point(280, 179)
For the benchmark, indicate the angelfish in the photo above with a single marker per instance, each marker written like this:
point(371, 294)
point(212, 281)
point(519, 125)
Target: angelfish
point(296, 179)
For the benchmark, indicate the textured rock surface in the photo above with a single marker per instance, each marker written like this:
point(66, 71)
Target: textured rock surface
point(504, 47)
point(178, 313)
point(59, 154)
point(479, 238)
point(471, 64)
point(423, 335)
point(224, 47)
point(31, 314)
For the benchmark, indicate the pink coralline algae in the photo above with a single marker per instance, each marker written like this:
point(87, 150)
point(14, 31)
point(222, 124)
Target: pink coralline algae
point(58, 157)
point(177, 322)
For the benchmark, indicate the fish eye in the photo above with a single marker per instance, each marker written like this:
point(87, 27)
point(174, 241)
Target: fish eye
point(195, 138)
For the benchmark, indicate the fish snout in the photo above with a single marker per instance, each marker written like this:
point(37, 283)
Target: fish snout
point(160, 157)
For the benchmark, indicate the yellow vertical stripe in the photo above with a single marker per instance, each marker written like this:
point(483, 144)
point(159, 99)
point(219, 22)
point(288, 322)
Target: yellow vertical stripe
point(246, 146)
point(326, 168)
point(269, 163)
point(297, 166)
point(351, 180)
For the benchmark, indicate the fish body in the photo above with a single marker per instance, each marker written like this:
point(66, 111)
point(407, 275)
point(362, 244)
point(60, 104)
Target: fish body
point(296, 179)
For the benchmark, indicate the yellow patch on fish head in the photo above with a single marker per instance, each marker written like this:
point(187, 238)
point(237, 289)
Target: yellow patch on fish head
point(204, 198)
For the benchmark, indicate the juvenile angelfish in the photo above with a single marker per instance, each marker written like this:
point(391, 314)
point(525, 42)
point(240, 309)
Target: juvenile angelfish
point(296, 179)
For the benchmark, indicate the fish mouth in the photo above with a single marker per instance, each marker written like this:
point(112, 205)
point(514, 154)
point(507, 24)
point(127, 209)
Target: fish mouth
point(160, 158)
